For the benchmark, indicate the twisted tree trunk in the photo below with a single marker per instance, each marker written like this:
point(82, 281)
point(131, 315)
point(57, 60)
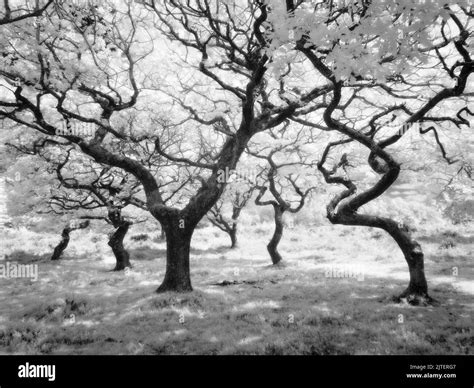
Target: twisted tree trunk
point(272, 246)
point(417, 290)
point(280, 206)
point(343, 208)
point(61, 247)
point(217, 219)
point(122, 257)
point(65, 238)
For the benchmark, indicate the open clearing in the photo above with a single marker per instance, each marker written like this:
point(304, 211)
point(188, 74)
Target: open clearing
point(241, 304)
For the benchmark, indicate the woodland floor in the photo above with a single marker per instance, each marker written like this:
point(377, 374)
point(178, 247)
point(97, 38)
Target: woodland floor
point(292, 309)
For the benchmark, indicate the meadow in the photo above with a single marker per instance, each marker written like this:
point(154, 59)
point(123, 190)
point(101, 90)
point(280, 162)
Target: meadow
point(331, 295)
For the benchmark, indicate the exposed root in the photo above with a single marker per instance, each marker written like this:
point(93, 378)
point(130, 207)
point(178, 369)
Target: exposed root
point(415, 299)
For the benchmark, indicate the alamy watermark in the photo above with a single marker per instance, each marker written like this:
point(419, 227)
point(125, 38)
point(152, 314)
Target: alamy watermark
point(14, 270)
point(97, 3)
point(79, 129)
point(234, 176)
point(344, 272)
point(248, 175)
point(31, 371)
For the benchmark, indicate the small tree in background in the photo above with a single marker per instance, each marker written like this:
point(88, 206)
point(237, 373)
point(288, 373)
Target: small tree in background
point(281, 179)
point(66, 236)
point(72, 189)
point(236, 196)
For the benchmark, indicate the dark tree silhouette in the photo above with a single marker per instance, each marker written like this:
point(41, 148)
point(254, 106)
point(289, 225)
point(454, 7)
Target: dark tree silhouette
point(399, 92)
point(240, 74)
point(10, 15)
point(238, 200)
point(65, 237)
point(279, 204)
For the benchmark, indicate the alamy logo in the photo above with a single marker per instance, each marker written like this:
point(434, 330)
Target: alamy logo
point(13, 270)
point(37, 371)
point(229, 175)
point(344, 272)
point(79, 129)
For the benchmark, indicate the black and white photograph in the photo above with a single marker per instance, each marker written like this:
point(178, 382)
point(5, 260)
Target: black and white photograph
point(237, 178)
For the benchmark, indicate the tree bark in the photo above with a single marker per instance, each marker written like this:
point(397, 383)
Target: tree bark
point(61, 247)
point(272, 246)
point(177, 276)
point(417, 290)
point(233, 237)
point(178, 238)
point(122, 257)
point(236, 210)
point(65, 238)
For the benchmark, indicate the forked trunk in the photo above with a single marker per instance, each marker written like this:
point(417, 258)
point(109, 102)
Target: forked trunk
point(122, 257)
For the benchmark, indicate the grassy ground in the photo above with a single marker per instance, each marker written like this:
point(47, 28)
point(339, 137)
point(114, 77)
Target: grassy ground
point(241, 304)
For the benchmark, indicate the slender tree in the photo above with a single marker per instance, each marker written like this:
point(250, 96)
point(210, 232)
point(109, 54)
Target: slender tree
point(238, 200)
point(66, 236)
point(279, 204)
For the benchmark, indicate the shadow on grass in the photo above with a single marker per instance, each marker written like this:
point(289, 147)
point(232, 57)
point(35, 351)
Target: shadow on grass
point(314, 257)
point(217, 250)
point(145, 253)
point(447, 257)
point(302, 313)
point(23, 257)
point(445, 237)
